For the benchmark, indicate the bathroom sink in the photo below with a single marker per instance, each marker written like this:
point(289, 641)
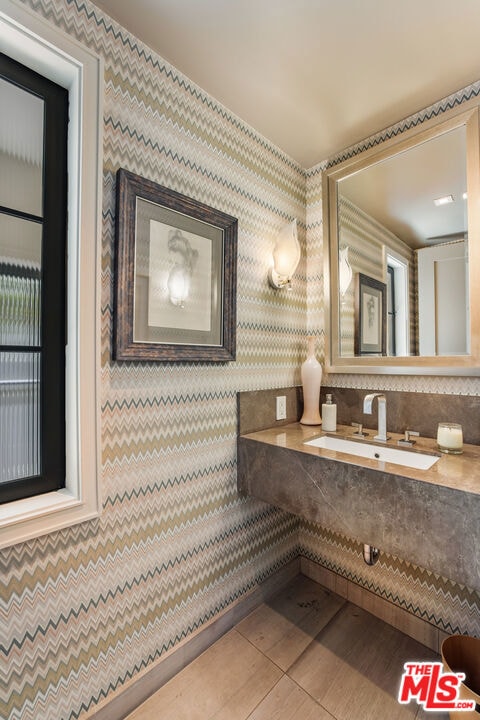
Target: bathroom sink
point(383, 453)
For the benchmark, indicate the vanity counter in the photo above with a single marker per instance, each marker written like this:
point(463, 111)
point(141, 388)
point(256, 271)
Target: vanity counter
point(429, 517)
point(459, 472)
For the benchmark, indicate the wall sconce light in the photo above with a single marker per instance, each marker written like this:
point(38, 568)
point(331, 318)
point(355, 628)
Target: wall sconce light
point(344, 271)
point(286, 256)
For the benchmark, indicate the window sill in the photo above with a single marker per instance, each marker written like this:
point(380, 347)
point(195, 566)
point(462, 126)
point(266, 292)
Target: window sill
point(24, 519)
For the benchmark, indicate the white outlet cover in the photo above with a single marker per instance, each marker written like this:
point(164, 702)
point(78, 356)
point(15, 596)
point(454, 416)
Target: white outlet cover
point(281, 407)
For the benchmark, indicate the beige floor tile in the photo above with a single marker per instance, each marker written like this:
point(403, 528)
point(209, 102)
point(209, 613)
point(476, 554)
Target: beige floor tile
point(347, 665)
point(284, 627)
point(289, 702)
point(354, 666)
point(227, 681)
point(424, 715)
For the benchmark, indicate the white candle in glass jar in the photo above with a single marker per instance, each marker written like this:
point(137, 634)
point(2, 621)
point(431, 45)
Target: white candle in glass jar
point(450, 437)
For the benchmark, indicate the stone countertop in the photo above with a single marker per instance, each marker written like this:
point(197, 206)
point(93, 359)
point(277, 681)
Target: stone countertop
point(428, 517)
point(458, 472)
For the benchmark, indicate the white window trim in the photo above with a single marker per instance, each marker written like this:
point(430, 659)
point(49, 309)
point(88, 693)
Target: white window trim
point(401, 268)
point(33, 41)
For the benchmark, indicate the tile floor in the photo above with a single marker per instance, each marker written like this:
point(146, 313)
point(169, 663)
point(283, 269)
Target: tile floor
point(306, 654)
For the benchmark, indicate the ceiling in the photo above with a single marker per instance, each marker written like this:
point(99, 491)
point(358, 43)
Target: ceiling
point(314, 76)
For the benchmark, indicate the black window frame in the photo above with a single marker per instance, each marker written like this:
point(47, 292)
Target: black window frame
point(392, 313)
point(54, 283)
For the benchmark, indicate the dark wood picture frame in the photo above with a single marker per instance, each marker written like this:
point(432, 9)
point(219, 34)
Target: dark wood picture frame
point(164, 238)
point(370, 316)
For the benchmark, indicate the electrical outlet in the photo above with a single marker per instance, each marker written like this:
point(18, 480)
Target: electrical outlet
point(281, 407)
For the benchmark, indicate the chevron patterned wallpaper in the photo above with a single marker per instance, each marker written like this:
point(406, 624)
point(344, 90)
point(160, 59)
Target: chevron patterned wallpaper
point(84, 610)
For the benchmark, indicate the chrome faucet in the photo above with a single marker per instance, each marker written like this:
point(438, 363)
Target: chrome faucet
point(382, 414)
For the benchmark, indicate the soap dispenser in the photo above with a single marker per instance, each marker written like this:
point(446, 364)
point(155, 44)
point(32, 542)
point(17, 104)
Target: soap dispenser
point(329, 415)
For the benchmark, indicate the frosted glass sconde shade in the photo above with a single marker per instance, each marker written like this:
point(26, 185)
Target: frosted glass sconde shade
point(344, 270)
point(286, 256)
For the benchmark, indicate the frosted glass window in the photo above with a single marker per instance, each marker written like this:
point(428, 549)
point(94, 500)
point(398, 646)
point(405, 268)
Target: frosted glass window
point(21, 149)
point(19, 415)
point(21, 227)
point(20, 377)
point(20, 306)
point(33, 222)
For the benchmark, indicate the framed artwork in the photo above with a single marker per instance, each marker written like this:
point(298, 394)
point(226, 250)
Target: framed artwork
point(175, 276)
point(370, 316)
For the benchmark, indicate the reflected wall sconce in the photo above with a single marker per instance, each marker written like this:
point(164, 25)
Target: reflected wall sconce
point(178, 285)
point(286, 256)
point(344, 271)
point(185, 258)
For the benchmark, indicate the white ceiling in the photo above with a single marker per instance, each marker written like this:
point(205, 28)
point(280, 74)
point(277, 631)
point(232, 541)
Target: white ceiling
point(314, 76)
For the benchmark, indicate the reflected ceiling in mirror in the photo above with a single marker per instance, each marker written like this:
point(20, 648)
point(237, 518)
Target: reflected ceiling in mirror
point(400, 217)
point(400, 192)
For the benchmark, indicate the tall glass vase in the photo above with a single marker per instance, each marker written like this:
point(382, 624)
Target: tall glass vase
point(311, 381)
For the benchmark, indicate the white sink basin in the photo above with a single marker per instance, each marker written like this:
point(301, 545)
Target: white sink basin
point(382, 453)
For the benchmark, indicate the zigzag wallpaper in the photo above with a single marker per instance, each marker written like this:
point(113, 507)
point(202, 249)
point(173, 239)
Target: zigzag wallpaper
point(84, 610)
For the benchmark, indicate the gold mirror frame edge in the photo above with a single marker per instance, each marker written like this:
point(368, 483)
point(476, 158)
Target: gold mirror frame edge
point(467, 114)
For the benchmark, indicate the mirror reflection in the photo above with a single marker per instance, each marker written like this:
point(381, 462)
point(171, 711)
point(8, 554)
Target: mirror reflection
point(402, 219)
point(403, 222)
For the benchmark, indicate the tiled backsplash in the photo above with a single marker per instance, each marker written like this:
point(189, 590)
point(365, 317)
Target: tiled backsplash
point(256, 409)
point(405, 410)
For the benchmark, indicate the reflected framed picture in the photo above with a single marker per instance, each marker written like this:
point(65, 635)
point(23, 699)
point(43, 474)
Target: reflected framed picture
point(370, 316)
point(175, 276)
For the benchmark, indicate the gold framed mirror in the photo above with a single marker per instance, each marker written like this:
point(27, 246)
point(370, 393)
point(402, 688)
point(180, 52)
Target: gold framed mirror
point(406, 214)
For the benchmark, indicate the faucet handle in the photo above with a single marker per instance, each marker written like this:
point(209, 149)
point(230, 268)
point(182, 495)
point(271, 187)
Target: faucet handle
point(406, 440)
point(359, 432)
